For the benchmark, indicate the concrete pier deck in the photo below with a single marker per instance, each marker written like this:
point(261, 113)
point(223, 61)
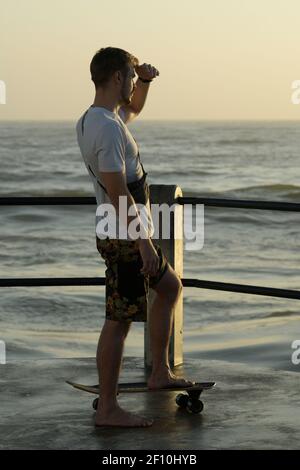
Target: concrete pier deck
point(250, 408)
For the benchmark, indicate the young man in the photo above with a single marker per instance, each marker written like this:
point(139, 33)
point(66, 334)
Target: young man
point(112, 159)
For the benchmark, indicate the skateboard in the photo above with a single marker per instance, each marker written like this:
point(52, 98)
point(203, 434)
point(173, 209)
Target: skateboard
point(189, 400)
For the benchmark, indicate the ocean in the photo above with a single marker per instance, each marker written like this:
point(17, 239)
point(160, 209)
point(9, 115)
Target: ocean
point(243, 160)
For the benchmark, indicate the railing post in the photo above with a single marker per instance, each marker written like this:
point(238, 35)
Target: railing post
point(173, 249)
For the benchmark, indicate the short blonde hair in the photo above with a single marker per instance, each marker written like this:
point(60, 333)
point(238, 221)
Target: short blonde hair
point(107, 61)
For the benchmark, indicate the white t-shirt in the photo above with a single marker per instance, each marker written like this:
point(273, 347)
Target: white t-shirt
point(106, 144)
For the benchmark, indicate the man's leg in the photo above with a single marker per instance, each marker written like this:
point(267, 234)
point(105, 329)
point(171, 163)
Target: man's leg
point(110, 351)
point(168, 291)
point(109, 360)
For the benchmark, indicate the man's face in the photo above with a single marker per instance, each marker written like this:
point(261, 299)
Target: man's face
point(128, 86)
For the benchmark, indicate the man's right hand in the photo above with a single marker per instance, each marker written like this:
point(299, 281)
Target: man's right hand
point(149, 256)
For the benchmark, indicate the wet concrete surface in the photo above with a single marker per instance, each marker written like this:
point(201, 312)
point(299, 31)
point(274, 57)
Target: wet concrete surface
point(250, 408)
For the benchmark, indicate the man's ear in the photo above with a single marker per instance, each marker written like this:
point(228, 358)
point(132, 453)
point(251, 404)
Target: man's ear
point(120, 76)
point(117, 76)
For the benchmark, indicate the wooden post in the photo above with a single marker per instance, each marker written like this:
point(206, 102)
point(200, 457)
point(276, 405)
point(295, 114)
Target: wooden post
point(173, 250)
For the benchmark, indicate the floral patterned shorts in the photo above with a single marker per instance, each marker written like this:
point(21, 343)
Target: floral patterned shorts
point(127, 289)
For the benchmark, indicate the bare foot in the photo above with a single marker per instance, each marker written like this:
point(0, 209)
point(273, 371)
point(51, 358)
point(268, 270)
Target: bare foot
point(121, 418)
point(167, 379)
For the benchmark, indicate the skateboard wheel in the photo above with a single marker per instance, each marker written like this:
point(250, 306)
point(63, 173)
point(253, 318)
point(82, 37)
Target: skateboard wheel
point(195, 406)
point(182, 400)
point(95, 403)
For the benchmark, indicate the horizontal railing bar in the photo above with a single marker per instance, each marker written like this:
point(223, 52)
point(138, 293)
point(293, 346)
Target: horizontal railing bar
point(213, 202)
point(198, 283)
point(240, 203)
point(46, 200)
point(243, 288)
point(52, 281)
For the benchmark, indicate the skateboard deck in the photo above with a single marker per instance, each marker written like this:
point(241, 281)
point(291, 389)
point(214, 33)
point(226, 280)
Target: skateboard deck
point(190, 400)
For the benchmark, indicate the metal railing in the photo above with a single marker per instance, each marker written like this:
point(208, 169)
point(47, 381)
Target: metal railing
point(199, 283)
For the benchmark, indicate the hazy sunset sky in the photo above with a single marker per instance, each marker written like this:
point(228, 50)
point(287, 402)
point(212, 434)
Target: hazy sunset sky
point(218, 59)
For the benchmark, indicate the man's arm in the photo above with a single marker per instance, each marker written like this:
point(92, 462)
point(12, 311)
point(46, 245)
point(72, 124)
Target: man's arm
point(139, 96)
point(127, 113)
point(132, 110)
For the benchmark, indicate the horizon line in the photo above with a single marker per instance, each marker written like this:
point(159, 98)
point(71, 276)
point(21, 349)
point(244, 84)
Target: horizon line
point(164, 120)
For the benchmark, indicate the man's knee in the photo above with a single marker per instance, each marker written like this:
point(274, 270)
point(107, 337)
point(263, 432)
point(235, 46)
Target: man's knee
point(119, 327)
point(177, 289)
point(170, 285)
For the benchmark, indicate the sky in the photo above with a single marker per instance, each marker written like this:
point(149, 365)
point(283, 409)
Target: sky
point(217, 59)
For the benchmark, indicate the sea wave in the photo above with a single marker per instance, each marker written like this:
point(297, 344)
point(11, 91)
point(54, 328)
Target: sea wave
point(268, 192)
point(284, 313)
point(277, 190)
point(262, 141)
